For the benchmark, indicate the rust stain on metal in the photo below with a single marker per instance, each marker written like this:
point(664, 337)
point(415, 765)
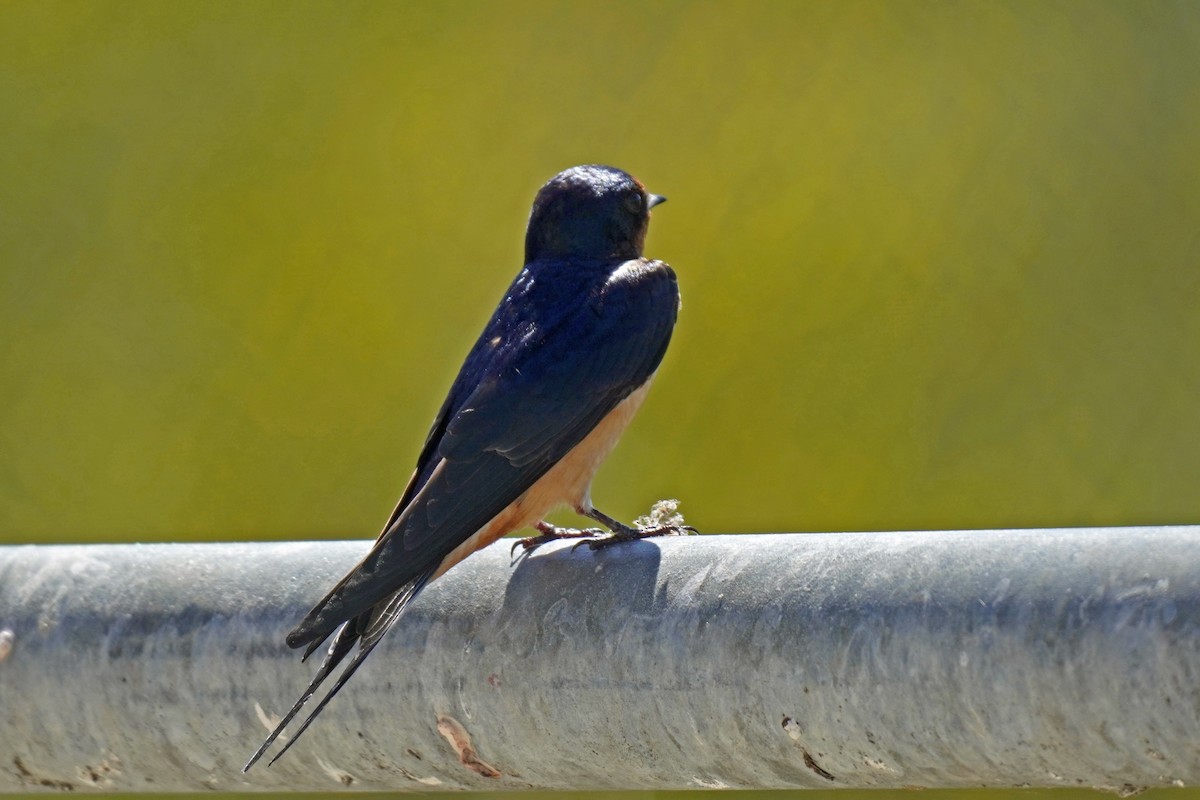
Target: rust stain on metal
point(815, 767)
point(454, 733)
point(31, 779)
point(792, 728)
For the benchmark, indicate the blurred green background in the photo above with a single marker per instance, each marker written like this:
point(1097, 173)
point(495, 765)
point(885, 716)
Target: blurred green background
point(940, 262)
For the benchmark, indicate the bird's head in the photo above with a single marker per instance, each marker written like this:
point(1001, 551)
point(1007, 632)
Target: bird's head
point(589, 211)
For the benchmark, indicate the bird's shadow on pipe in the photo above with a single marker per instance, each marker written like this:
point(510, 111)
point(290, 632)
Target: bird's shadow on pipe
point(572, 589)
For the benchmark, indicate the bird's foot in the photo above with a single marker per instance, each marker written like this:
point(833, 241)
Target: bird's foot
point(552, 533)
point(624, 533)
point(664, 519)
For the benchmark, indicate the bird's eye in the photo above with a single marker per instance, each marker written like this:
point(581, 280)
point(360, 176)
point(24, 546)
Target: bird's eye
point(635, 203)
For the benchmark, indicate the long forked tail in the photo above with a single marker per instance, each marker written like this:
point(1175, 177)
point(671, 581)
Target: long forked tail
point(366, 630)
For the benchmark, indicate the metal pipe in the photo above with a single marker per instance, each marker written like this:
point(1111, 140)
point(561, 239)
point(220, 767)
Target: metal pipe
point(942, 659)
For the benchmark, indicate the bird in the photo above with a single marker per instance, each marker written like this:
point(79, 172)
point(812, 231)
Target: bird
point(540, 401)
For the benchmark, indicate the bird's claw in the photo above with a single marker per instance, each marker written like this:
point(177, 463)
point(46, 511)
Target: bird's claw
point(552, 533)
point(635, 534)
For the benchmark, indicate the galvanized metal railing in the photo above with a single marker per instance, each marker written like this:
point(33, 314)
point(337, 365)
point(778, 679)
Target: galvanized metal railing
point(938, 659)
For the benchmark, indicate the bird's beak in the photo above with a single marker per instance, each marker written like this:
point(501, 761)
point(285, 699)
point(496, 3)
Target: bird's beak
point(654, 199)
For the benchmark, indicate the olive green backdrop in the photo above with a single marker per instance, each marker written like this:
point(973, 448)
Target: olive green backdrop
point(940, 262)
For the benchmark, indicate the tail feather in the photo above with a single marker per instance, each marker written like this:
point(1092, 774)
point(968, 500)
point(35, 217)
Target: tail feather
point(366, 630)
point(342, 645)
point(341, 681)
point(312, 648)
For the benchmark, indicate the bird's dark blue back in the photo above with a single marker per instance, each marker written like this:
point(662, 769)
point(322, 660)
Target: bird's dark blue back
point(539, 329)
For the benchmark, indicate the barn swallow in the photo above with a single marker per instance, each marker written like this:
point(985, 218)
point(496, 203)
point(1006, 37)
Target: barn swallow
point(555, 377)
